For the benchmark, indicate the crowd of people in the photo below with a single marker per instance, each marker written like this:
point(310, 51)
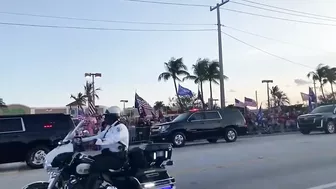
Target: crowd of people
point(272, 121)
point(275, 120)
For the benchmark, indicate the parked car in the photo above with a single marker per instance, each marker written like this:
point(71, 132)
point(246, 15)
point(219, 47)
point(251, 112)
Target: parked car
point(197, 125)
point(30, 137)
point(321, 118)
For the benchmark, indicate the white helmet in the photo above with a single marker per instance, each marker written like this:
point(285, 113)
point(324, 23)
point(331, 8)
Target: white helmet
point(113, 110)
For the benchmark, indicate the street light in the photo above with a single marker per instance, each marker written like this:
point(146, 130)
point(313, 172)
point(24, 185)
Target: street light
point(268, 96)
point(124, 102)
point(93, 75)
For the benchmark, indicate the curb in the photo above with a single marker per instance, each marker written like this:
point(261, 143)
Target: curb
point(265, 135)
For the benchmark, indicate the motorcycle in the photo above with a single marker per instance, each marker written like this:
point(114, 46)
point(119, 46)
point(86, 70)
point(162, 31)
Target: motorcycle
point(144, 168)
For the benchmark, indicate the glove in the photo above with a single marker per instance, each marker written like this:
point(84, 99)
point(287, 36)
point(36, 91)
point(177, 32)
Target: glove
point(99, 142)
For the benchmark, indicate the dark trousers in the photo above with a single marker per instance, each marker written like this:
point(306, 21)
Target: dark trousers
point(103, 162)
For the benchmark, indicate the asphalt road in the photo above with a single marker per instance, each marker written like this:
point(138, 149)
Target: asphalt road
point(290, 161)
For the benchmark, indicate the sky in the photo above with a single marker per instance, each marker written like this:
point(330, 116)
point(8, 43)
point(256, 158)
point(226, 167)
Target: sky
point(42, 67)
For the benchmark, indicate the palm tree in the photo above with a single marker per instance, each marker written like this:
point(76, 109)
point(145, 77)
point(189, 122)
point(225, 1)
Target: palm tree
point(174, 69)
point(2, 103)
point(330, 77)
point(88, 91)
point(279, 97)
point(158, 105)
point(213, 75)
point(80, 100)
point(318, 75)
point(199, 73)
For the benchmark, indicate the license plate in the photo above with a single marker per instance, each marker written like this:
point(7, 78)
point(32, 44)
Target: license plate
point(160, 154)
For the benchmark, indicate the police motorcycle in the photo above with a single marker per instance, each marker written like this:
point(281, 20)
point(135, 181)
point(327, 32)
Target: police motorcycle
point(144, 168)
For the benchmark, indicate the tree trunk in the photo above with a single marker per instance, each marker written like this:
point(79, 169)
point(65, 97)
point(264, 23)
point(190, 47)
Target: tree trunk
point(202, 91)
point(322, 91)
point(211, 100)
point(203, 104)
point(332, 91)
point(178, 97)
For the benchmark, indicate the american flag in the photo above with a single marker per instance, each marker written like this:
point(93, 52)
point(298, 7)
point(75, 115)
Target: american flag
point(142, 105)
point(250, 102)
point(92, 108)
point(239, 103)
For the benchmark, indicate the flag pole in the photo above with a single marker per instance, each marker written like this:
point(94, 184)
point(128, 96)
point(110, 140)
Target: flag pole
point(256, 96)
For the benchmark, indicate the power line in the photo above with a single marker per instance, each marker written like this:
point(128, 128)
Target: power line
point(273, 39)
point(104, 29)
point(282, 12)
point(100, 20)
point(290, 10)
point(279, 18)
point(266, 52)
point(169, 3)
point(232, 10)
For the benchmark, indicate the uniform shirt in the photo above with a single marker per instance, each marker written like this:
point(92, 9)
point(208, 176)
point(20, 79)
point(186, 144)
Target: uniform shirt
point(110, 137)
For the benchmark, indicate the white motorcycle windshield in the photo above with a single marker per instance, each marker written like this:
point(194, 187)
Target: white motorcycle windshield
point(58, 150)
point(89, 148)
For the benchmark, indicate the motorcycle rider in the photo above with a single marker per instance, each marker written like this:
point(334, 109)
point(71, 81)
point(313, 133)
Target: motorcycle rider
point(114, 142)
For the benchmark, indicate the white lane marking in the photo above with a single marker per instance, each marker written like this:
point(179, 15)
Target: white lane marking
point(324, 186)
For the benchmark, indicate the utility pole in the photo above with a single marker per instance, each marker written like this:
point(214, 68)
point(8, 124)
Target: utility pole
point(268, 91)
point(221, 69)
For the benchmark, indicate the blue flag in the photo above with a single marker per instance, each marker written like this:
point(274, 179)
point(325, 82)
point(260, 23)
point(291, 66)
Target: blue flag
point(182, 91)
point(312, 100)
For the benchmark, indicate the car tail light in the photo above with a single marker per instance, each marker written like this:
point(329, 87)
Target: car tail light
point(47, 126)
point(193, 110)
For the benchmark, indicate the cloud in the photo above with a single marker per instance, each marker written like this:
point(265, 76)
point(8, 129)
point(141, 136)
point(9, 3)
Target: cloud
point(300, 82)
point(232, 91)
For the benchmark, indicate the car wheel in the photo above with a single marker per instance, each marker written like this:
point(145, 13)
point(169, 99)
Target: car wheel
point(178, 139)
point(37, 185)
point(230, 135)
point(35, 157)
point(305, 131)
point(330, 127)
point(212, 140)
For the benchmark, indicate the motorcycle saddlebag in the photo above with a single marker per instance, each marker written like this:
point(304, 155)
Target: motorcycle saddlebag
point(137, 159)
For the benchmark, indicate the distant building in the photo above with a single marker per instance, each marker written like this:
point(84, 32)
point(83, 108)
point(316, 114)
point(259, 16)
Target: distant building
point(16, 109)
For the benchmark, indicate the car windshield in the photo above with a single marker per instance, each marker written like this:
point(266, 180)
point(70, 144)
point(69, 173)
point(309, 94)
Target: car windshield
point(324, 109)
point(181, 117)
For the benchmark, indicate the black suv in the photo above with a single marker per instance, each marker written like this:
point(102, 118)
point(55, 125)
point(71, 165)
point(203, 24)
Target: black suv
point(321, 118)
point(30, 137)
point(196, 125)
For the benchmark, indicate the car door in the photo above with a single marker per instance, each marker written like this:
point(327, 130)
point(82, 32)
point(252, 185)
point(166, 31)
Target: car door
point(212, 124)
point(11, 145)
point(196, 125)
